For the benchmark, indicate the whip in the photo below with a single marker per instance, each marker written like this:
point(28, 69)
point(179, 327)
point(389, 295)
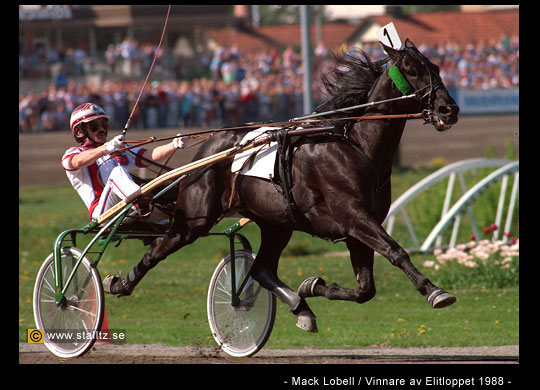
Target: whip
point(148, 75)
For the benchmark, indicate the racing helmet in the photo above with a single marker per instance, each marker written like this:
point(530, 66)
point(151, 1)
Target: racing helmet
point(86, 112)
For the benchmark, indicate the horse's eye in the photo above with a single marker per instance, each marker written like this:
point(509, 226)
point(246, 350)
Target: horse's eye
point(412, 73)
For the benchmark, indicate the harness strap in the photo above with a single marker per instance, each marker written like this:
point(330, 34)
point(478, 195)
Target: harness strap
point(285, 176)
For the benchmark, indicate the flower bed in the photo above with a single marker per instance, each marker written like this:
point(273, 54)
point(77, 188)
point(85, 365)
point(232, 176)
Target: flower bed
point(481, 263)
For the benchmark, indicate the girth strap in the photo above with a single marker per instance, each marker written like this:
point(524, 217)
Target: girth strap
point(284, 170)
point(285, 150)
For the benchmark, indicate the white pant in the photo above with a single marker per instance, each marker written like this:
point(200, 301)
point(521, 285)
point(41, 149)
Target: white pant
point(119, 186)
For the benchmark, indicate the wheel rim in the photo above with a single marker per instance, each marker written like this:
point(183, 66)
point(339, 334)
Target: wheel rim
point(69, 328)
point(242, 330)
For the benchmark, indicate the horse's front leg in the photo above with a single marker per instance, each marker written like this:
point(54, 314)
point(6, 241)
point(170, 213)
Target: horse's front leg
point(357, 223)
point(370, 232)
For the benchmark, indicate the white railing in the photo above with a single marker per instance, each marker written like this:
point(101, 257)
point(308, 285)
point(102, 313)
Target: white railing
point(462, 205)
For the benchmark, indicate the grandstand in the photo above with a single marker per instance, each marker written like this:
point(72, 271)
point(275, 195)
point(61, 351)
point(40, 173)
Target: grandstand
point(215, 67)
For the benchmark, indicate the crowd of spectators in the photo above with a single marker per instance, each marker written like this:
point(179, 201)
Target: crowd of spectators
point(236, 87)
point(127, 58)
point(483, 65)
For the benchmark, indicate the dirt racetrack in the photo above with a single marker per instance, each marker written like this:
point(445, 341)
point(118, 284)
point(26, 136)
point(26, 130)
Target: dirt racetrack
point(40, 154)
point(162, 354)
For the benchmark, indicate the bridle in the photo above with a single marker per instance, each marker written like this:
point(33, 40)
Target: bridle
point(435, 82)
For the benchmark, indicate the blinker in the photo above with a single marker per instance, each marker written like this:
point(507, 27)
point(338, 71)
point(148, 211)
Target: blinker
point(399, 81)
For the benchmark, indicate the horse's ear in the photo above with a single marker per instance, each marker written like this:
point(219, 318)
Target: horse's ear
point(408, 43)
point(392, 53)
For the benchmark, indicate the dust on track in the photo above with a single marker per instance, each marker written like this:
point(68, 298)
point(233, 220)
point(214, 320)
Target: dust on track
point(164, 354)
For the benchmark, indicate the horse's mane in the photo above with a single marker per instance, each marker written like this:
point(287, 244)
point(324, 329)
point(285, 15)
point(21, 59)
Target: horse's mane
point(349, 83)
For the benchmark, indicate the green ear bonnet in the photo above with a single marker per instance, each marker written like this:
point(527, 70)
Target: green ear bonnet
point(399, 81)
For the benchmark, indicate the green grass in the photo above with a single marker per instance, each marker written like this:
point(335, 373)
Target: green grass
point(169, 305)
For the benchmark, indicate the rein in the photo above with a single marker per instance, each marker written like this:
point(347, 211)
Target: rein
point(294, 121)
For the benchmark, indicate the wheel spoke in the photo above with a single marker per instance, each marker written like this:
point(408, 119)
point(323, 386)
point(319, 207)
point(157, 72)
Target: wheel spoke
point(93, 315)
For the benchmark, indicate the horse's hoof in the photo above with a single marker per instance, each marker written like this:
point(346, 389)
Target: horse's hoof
point(307, 323)
point(107, 282)
point(116, 285)
point(440, 298)
point(305, 290)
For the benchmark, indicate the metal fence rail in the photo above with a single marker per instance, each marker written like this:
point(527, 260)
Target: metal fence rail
point(453, 212)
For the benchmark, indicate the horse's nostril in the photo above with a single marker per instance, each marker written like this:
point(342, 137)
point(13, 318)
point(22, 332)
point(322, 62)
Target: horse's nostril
point(444, 110)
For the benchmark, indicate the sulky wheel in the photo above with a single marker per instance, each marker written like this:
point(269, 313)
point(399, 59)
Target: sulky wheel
point(70, 328)
point(240, 329)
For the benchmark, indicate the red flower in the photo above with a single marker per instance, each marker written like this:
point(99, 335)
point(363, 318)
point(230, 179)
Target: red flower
point(472, 238)
point(493, 227)
point(507, 234)
point(486, 230)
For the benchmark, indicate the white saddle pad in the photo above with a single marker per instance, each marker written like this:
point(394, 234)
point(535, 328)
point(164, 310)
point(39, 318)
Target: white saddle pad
point(262, 164)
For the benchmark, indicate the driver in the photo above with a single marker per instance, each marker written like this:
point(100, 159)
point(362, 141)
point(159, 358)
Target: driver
point(100, 179)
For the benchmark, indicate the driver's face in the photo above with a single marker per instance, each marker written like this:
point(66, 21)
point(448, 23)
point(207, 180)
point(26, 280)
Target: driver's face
point(97, 130)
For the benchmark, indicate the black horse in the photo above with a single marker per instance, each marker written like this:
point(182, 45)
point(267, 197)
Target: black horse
point(340, 185)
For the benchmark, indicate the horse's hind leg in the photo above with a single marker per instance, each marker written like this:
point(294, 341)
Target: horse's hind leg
point(264, 271)
point(362, 263)
point(181, 234)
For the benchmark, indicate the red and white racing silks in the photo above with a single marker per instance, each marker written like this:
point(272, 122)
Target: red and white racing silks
point(105, 182)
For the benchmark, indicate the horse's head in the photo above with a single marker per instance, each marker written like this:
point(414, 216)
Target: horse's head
point(412, 72)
